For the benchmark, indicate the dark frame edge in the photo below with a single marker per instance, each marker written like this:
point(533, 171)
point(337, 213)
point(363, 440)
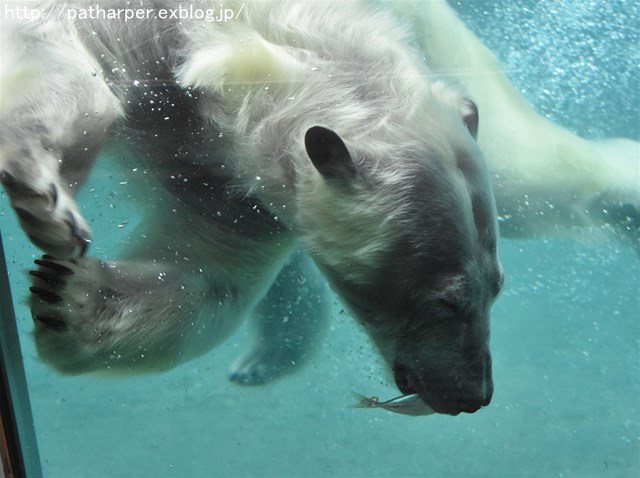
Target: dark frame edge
point(18, 441)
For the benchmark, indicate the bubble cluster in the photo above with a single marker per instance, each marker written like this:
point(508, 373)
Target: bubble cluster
point(576, 61)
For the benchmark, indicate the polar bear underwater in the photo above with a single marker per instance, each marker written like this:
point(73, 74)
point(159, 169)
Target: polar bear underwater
point(298, 126)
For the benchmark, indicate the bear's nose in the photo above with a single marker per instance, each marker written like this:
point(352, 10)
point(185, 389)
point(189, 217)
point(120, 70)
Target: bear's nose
point(477, 390)
point(471, 404)
point(442, 392)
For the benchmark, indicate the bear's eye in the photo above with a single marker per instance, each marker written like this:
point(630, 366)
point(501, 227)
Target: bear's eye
point(450, 306)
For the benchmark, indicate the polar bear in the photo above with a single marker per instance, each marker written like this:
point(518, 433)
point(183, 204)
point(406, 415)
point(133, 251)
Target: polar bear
point(294, 126)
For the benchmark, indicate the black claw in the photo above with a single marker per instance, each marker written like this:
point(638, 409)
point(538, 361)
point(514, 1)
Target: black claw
point(59, 268)
point(51, 322)
point(84, 246)
point(54, 195)
point(27, 217)
point(46, 295)
point(7, 179)
point(47, 278)
point(80, 235)
point(16, 186)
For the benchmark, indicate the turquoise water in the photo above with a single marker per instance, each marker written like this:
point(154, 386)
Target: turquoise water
point(565, 332)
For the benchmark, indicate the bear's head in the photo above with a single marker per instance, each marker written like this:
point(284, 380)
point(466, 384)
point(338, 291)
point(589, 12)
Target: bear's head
point(407, 239)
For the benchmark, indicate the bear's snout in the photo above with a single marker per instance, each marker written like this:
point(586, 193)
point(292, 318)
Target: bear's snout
point(447, 391)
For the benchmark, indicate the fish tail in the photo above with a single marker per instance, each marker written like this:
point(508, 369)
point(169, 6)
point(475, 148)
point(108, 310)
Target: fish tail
point(363, 402)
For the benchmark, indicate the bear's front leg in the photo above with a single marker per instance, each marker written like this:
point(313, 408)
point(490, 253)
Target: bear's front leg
point(55, 114)
point(47, 212)
point(95, 315)
point(288, 324)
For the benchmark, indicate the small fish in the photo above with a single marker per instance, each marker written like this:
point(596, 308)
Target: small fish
point(404, 404)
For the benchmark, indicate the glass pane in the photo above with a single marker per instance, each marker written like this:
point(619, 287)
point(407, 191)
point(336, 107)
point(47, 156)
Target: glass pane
point(564, 331)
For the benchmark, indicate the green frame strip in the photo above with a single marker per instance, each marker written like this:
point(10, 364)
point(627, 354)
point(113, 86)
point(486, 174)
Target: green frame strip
point(15, 409)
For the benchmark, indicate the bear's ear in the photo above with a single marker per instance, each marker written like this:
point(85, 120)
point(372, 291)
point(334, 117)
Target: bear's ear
point(470, 116)
point(329, 154)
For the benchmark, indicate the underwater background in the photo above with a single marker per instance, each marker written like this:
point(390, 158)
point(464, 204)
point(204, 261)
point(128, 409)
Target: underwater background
point(565, 331)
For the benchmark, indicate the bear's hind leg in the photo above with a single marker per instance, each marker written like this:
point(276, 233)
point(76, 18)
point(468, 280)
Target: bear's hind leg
point(287, 324)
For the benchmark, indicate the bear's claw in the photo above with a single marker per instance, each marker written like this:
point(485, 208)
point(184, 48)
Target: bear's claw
point(47, 278)
point(46, 295)
point(50, 322)
point(54, 266)
point(10, 182)
point(49, 300)
point(80, 235)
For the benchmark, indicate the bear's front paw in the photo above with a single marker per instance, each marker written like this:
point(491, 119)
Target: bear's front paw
point(60, 293)
point(66, 301)
point(48, 216)
point(49, 283)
